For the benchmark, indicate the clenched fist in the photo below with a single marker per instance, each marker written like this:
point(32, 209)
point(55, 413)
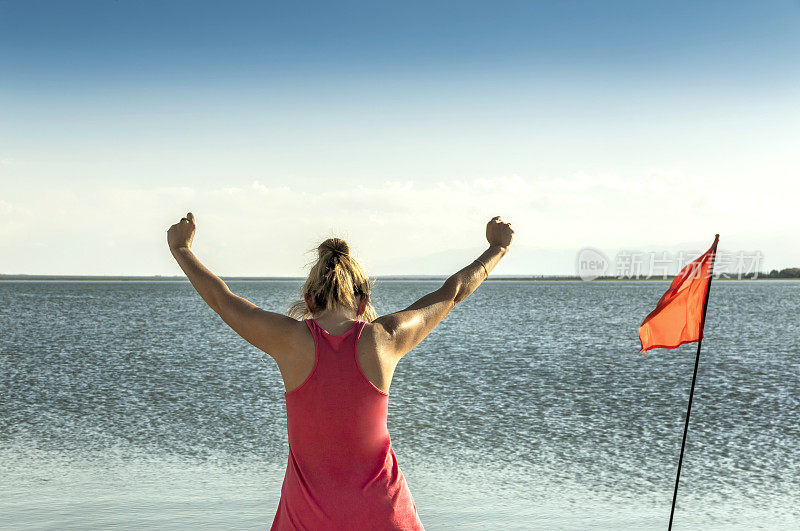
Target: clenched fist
point(499, 233)
point(181, 234)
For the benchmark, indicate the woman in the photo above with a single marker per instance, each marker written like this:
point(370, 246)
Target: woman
point(337, 365)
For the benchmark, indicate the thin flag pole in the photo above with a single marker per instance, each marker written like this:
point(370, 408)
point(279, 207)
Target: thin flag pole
point(694, 379)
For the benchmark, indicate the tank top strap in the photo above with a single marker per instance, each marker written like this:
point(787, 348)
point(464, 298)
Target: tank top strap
point(335, 342)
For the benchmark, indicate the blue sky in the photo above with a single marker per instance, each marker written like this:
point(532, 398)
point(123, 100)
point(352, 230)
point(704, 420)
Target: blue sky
point(402, 127)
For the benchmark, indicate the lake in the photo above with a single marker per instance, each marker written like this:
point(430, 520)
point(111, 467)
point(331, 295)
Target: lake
point(132, 404)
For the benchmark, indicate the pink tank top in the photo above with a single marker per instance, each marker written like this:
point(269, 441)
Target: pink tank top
point(342, 471)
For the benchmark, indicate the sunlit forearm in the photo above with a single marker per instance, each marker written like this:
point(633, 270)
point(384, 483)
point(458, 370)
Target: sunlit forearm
point(469, 278)
point(207, 284)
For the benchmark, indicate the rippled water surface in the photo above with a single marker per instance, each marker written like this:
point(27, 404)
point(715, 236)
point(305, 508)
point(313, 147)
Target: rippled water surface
point(132, 404)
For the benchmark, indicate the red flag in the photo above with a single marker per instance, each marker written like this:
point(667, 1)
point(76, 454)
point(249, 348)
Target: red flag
point(678, 317)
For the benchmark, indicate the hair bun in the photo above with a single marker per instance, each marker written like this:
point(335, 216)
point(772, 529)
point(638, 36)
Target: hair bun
point(334, 246)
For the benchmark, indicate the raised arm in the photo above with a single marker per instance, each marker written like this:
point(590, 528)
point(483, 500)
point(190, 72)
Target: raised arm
point(269, 331)
point(405, 329)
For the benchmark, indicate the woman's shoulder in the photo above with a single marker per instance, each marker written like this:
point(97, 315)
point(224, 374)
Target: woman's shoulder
point(376, 332)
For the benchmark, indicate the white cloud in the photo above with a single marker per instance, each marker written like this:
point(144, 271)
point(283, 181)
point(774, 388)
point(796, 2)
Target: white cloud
point(258, 228)
point(14, 221)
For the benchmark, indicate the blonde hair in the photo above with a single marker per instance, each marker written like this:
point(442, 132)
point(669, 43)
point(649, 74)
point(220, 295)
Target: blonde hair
point(335, 280)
